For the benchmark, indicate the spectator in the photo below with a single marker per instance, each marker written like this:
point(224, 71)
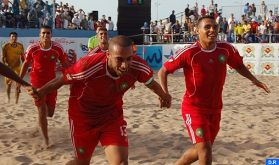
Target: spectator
point(103, 21)
point(203, 11)
point(246, 9)
point(91, 22)
point(263, 9)
point(110, 24)
point(253, 9)
point(262, 32)
point(172, 18)
point(58, 20)
point(84, 23)
point(211, 8)
point(76, 21)
point(187, 11)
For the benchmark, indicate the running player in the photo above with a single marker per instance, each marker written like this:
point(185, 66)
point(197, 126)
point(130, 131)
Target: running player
point(43, 57)
point(96, 104)
point(13, 56)
point(204, 64)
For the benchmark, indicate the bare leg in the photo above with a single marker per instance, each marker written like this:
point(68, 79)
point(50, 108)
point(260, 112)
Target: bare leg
point(117, 155)
point(9, 91)
point(78, 162)
point(205, 153)
point(201, 151)
point(42, 115)
point(190, 156)
point(50, 111)
point(17, 92)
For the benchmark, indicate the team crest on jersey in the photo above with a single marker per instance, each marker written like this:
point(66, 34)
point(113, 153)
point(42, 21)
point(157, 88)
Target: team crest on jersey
point(222, 58)
point(123, 86)
point(52, 57)
point(69, 77)
point(80, 150)
point(199, 132)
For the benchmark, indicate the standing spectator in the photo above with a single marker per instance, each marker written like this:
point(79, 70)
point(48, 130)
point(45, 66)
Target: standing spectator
point(103, 21)
point(32, 18)
point(84, 23)
point(23, 6)
point(225, 28)
point(254, 9)
point(110, 24)
point(275, 36)
point(263, 9)
point(203, 11)
point(211, 8)
point(246, 9)
point(161, 28)
point(271, 17)
point(76, 21)
point(91, 22)
point(47, 20)
point(58, 20)
point(153, 31)
point(15, 7)
point(172, 18)
point(187, 12)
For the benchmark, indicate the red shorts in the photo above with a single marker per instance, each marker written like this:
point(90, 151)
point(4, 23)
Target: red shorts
point(86, 137)
point(49, 99)
point(202, 127)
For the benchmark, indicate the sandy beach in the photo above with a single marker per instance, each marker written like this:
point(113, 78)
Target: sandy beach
point(249, 128)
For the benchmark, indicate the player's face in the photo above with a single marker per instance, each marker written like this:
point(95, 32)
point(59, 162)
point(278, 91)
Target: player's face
point(103, 36)
point(13, 38)
point(208, 31)
point(45, 35)
point(119, 60)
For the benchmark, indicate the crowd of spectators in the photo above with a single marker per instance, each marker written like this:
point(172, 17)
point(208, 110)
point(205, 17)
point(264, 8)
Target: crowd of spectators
point(251, 28)
point(28, 14)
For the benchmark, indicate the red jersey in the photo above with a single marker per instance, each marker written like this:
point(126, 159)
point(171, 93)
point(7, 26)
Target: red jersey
point(99, 94)
point(44, 61)
point(205, 73)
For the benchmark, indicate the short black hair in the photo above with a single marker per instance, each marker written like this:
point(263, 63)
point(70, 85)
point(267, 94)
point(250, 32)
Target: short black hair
point(13, 33)
point(46, 27)
point(204, 17)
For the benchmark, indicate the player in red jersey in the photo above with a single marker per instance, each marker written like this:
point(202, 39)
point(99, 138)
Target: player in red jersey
point(204, 64)
point(43, 57)
point(96, 104)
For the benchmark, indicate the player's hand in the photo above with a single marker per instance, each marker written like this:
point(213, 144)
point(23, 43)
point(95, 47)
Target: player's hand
point(165, 101)
point(261, 85)
point(33, 92)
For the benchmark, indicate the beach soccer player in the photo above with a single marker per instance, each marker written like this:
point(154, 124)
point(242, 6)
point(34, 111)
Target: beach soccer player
point(12, 56)
point(96, 104)
point(43, 56)
point(205, 65)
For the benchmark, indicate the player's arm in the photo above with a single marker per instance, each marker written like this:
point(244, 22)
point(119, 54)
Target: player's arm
point(242, 70)
point(165, 98)
point(24, 68)
point(7, 72)
point(4, 55)
point(52, 85)
point(163, 78)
